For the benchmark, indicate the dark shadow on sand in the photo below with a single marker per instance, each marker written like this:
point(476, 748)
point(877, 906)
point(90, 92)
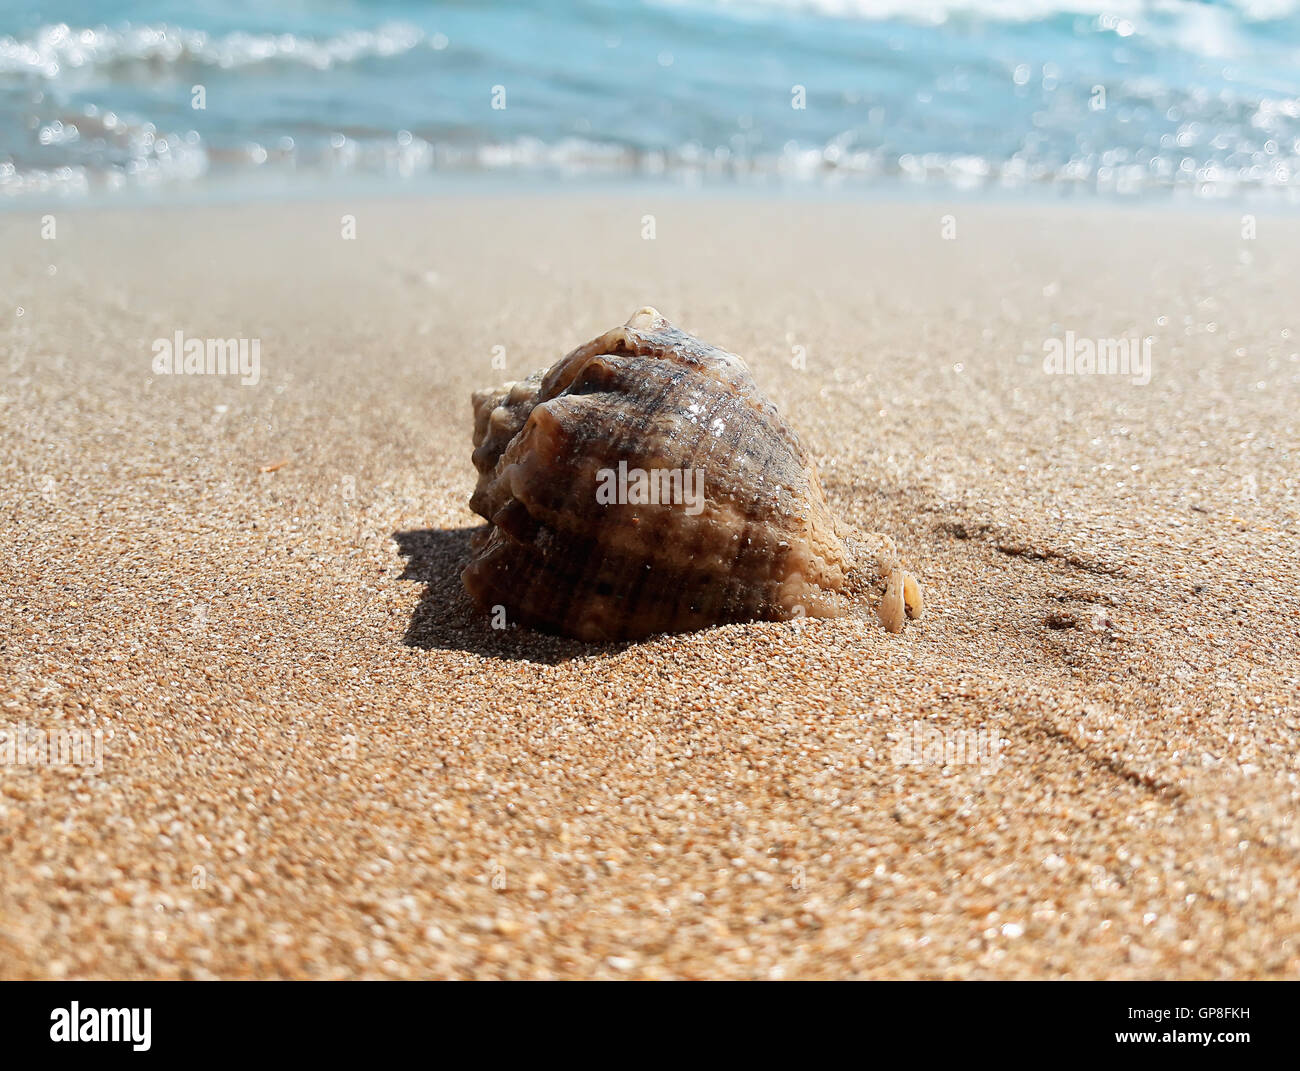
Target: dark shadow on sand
point(446, 619)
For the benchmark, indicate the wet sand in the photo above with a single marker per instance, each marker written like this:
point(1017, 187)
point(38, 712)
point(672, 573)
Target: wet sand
point(320, 761)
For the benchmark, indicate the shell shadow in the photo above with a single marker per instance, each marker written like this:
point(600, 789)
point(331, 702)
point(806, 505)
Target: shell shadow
point(446, 619)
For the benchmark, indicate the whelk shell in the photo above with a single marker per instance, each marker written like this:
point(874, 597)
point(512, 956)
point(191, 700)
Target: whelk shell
point(644, 484)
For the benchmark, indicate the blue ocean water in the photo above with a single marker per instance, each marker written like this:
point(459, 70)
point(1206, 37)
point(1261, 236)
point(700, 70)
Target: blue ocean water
point(1112, 97)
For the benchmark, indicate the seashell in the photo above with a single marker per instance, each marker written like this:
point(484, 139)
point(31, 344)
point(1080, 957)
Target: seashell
point(643, 484)
point(891, 608)
point(913, 600)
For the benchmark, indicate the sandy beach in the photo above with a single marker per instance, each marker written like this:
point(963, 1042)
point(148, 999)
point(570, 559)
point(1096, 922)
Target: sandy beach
point(318, 759)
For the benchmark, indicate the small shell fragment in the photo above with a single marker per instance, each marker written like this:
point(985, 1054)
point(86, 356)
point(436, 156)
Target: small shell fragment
point(912, 597)
point(890, 610)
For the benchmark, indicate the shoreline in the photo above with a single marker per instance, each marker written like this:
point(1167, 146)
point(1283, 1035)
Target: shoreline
point(467, 184)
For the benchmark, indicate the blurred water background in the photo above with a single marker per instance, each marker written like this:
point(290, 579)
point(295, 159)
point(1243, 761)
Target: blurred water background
point(1111, 98)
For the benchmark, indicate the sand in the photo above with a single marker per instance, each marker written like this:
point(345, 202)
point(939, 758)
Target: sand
point(320, 761)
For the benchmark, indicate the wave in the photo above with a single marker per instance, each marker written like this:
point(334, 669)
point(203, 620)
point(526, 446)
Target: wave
point(936, 11)
point(1226, 29)
point(56, 49)
point(1148, 95)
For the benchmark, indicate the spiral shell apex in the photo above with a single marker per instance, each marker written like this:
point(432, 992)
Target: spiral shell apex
point(643, 484)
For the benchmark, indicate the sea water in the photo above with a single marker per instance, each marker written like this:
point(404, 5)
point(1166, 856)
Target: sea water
point(1105, 97)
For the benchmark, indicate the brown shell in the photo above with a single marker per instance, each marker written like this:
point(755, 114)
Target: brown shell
point(758, 543)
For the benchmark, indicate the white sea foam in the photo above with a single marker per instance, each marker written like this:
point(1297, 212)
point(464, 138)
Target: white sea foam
point(1214, 32)
point(935, 11)
point(58, 49)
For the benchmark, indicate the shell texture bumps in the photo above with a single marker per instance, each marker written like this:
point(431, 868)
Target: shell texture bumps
point(643, 484)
